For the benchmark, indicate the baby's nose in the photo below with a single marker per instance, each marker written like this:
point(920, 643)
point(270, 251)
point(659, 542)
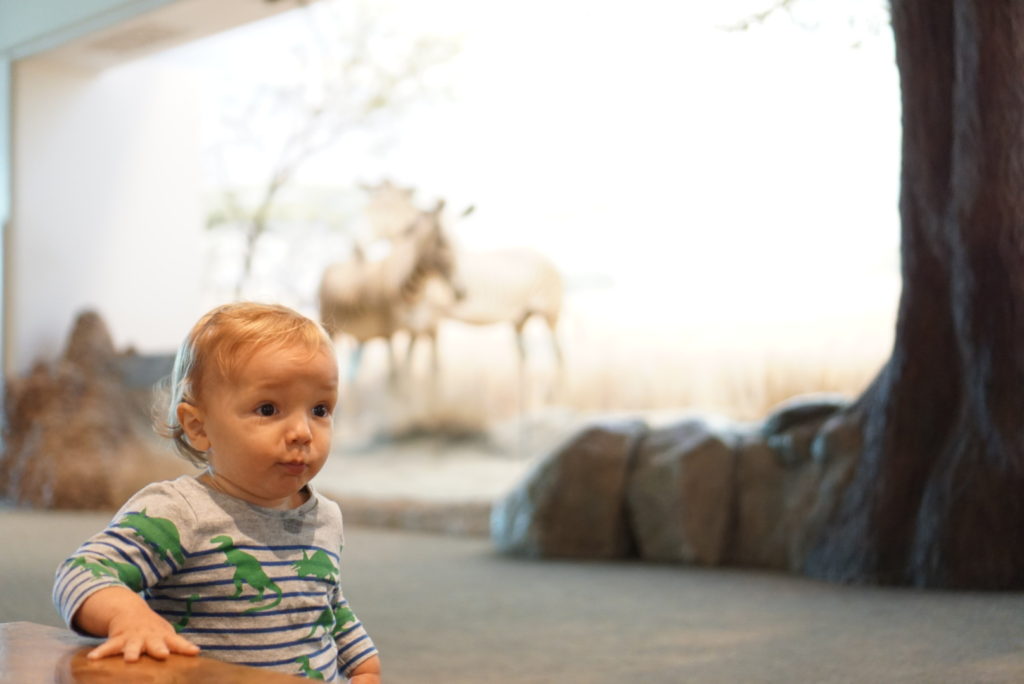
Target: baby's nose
point(299, 431)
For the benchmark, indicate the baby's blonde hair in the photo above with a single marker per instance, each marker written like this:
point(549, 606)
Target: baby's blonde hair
point(220, 341)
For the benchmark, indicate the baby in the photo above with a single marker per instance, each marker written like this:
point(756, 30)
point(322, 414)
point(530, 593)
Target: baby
point(241, 561)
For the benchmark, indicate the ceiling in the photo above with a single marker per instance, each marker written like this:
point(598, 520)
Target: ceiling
point(168, 26)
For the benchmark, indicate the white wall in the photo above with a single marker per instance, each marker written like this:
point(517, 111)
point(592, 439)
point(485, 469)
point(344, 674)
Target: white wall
point(5, 203)
point(39, 287)
point(106, 206)
point(4, 143)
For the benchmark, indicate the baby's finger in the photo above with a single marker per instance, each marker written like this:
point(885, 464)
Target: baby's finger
point(111, 646)
point(156, 647)
point(132, 650)
point(179, 644)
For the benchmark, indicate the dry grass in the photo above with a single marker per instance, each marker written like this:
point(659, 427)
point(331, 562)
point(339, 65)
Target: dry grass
point(739, 371)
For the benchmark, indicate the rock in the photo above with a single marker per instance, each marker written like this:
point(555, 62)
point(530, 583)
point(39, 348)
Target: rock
point(76, 436)
point(841, 436)
point(792, 448)
point(758, 535)
point(814, 497)
point(790, 430)
point(142, 371)
point(571, 504)
point(680, 494)
point(813, 408)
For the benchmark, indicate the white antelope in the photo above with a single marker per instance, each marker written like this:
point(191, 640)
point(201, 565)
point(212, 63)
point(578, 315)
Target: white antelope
point(369, 300)
point(509, 285)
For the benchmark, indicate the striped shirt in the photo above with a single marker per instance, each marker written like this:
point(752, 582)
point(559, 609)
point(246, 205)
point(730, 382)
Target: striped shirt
point(247, 584)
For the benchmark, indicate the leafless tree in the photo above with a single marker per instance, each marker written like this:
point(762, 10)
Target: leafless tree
point(353, 74)
point(934, 496)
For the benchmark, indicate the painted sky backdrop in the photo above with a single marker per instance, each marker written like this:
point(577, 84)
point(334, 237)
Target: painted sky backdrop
point(722, 174)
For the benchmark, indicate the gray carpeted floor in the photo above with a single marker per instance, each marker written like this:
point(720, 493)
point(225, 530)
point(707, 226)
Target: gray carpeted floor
point(447, 609)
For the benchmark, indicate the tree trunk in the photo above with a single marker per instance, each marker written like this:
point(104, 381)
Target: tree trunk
point(937, 498)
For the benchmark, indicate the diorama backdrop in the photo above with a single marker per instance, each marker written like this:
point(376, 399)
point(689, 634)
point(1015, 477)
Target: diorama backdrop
point(718, 190)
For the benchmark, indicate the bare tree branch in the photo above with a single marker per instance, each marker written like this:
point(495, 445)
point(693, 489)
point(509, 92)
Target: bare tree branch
point(762, 16)
point(346, 82)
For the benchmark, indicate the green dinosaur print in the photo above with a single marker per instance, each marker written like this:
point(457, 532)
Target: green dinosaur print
point(325, 620)
point(125, 572)
point(248, 571)
point(343, 615)
point(318, 565)
point(310, 672)
point(159, 533)
point(183, 622)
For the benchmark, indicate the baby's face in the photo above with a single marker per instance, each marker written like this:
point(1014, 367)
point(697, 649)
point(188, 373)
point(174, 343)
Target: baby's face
point(269, 426)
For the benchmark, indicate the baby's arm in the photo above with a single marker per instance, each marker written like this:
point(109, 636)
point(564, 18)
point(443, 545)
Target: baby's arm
point(357, 654)
point(131, 627)
point(97, 589)
point(367, 672)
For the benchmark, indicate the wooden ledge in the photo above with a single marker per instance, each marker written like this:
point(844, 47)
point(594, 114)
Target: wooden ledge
point(38, 653)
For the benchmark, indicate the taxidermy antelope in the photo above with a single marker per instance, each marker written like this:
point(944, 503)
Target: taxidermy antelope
point(499, 286)
point(390, 209)
point(369, 300)
point(509, 285)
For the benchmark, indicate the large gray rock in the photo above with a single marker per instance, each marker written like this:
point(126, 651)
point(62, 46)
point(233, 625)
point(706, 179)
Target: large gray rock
point(836, 452)
point(790, 429)
point(680, 494)
point(805, 408)
point(759, 538)
point(789, 482)
point(571, 504)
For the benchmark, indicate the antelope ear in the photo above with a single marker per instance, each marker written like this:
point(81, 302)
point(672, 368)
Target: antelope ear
point(439, 207)
point(193, 423)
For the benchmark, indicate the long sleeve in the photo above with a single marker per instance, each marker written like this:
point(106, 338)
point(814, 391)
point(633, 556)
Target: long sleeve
point(354, 644)
point(141, 545)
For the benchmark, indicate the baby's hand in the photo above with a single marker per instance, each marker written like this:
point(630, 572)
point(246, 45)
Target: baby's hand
point(142, 631)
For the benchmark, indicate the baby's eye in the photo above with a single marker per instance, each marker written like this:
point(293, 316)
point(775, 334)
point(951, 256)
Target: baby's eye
point(321, 411)
point(266, 410)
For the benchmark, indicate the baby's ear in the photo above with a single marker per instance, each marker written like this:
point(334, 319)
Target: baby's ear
point(193, 424)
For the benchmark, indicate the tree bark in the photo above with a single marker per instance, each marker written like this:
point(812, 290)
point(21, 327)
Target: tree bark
point(937, 498)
